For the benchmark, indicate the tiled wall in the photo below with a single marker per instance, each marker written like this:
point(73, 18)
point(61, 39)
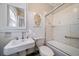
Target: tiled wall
point(65, 22)
point(38, 8)
point(60, 32)
point(40, 31)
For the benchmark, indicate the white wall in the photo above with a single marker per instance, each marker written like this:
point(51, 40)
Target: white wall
point(3, 15)
point(39, 8)
point(49, 33)
point(67, 16)
point(3, 19)
point(40, 31)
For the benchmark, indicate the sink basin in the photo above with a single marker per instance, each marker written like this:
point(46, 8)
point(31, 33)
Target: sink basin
point(15, 46)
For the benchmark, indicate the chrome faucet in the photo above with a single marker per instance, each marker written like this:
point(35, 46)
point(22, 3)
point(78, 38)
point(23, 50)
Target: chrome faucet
point(22, 35)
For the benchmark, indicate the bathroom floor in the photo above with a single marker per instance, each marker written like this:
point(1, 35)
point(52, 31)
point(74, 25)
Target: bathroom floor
point(34, 54)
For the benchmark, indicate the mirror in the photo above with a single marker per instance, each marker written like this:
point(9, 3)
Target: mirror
point(15, 17)
point(37, 19)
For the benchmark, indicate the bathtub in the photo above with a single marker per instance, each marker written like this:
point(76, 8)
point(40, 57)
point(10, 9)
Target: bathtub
point(61, 49)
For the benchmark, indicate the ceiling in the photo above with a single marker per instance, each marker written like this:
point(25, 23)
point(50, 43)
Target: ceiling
point(42, 7)
point(55, 4)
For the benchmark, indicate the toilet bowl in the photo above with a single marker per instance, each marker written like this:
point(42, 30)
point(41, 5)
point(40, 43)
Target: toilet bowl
point(43, 50)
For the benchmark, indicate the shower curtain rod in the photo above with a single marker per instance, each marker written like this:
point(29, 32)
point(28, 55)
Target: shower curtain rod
point(54, 10)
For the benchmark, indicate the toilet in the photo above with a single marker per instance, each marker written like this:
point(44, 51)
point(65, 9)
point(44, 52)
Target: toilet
point(43, 50)
point(39, 42)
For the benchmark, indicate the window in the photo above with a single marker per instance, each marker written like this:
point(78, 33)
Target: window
point(15, 17)
point(12, 17)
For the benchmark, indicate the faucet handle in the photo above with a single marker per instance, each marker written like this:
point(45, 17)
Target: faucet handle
point(16, 38)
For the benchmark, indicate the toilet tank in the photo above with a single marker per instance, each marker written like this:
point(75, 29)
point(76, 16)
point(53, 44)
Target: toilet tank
point(40, 41)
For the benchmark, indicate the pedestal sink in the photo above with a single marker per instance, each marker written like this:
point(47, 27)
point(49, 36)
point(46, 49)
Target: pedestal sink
point(15, 46)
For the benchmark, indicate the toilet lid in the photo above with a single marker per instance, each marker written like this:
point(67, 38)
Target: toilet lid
point(46, 51)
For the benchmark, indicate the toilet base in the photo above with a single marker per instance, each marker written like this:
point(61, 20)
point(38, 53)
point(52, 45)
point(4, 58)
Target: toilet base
point(36, 53)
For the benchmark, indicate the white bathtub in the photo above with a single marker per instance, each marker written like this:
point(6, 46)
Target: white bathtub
point(61, 49)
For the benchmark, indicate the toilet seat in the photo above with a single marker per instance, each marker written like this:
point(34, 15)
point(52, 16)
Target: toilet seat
point(45, 51)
